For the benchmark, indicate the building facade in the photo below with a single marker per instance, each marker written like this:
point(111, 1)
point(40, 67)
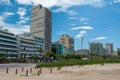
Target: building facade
point(8, 43)
point(109, 48)
point(28, 45)
point(41, 25)
point(39, 45)
point(96, 48)
point(68, 42)
point(59, 48)
point(25, 45)
point(82, 51)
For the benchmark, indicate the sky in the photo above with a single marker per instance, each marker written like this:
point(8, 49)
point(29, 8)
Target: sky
point(94, 20)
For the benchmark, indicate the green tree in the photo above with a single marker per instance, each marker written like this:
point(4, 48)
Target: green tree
point(50, 55)
point(23, 57)
point(118, 52)
point(40, 50)
point(1, 55)
point(34, 58)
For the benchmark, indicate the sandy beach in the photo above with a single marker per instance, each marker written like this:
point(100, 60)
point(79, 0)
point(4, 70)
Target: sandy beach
point(88, 72)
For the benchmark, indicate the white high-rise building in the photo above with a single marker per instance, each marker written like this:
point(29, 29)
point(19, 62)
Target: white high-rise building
point(109, 48)
point(41, 24)
point(96, 48)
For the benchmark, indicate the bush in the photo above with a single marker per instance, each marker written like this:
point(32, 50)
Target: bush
point(73, 62)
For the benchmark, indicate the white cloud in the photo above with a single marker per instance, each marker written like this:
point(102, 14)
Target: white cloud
point(7, 2)
point(46, 3)
point(26, 2)
point(81, 34)
point(18, 29)
point(113, 2)
point(110, 3)
point(74, 18)
point(14, 28)
point(4, 16)
point(61, 32)
point(70, 12)
point(63, 4)
point(60, 10)
point(100, 38)
point(72, 24)
point(82, 19)
point(116, 1)
point(85, 23)
point(21, 11)
point(1, 19)
point(8, 13)
point(82, 27)
point(22, 20)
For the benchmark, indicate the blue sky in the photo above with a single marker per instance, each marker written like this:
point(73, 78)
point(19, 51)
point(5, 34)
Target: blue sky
point(95, 20)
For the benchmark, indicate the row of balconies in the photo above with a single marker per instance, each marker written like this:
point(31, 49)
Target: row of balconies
point(2, 34)
point(10, 44)
point(8, 48)
point(8, 39)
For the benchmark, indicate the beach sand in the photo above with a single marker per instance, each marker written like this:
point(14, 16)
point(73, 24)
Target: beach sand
point(88, 72)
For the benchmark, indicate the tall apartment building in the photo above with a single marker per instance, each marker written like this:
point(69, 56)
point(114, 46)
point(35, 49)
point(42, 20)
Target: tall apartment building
point(96, 48)
point(41, 25)
point(109, 48)
point(8, 43)
point(68, 42)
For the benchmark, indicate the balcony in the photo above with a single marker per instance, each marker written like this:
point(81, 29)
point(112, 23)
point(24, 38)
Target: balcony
point(27, 52)
point(8, 40)
point(5, 48)
point(30, 41)
point(27, 44)
point(7, 35)
point(8, 44)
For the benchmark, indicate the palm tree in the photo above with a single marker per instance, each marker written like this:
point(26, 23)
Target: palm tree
point(34, 58)
point(6, 58)
point(118, 52)
point(50, 55)
point(40, 51)
point(1, 55)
